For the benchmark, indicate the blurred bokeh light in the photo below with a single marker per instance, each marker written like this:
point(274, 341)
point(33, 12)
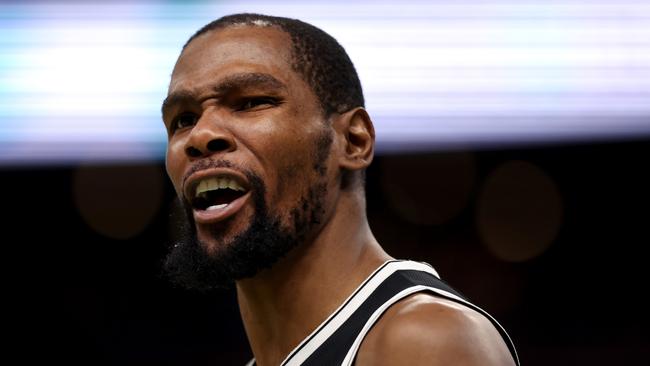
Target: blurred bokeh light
point(118, 202)
point(519, 211)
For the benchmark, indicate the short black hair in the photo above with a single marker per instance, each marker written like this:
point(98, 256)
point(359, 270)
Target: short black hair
point(317, 56)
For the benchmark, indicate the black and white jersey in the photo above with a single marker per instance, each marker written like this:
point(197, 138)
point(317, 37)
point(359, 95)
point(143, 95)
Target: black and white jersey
point(336, 341)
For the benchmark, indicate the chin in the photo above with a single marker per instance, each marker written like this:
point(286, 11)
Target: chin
point(215, 240)
point(215, 254)
point(215, 237)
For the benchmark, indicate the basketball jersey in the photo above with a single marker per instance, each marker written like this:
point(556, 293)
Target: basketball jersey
point(336, 341)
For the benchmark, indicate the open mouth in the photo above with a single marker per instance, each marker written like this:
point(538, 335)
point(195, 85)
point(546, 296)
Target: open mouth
point(215, 193)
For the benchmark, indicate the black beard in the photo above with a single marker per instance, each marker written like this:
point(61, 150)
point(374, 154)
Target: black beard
point(262, 244)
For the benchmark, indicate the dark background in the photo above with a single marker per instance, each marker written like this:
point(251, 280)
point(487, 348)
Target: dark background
point(83, 245)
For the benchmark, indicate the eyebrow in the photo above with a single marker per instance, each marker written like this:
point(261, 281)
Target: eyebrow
point(227, 85)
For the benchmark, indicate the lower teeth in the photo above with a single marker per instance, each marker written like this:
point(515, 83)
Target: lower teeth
point(216, 207)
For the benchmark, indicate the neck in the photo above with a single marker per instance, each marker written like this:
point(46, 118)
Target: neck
point(283, 305)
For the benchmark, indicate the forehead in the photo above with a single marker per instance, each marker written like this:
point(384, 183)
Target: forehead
point(234, 50)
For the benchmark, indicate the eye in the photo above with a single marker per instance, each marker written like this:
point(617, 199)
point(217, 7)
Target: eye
point(184, 120)
point(257, 103)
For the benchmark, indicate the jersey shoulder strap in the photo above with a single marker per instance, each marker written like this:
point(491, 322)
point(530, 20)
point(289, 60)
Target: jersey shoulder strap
point(336, 341)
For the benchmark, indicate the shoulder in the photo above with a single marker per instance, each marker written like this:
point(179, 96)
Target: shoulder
point(427, 330)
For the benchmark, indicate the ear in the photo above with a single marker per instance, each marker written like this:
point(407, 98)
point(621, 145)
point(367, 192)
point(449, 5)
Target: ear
point(356, 135)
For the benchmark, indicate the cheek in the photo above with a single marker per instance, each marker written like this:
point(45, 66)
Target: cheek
point(295, 171)
point(173, 164)
point(295, 160)
point(280, 146)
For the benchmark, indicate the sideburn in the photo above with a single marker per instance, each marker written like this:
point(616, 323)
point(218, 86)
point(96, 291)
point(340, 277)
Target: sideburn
point(323, 147)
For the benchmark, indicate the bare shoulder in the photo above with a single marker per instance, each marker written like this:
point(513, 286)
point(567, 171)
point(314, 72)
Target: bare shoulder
point(427, 330)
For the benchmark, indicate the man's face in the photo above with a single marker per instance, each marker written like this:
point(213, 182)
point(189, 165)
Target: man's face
point(247, 153)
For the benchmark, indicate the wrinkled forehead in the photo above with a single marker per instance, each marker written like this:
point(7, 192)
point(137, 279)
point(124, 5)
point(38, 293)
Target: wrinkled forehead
point(251, 58)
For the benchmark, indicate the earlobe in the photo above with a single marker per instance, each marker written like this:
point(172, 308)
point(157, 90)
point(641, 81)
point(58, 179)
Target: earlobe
point(357, 133)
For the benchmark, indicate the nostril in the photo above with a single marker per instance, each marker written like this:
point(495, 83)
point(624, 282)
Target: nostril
point(218, 145)
point(193, 152)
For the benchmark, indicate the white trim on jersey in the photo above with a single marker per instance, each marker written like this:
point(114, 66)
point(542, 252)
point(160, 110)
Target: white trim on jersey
point(328, 327)
point(349, 306)
point(352, 352)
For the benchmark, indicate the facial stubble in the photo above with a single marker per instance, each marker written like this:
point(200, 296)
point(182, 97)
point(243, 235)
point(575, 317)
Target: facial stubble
point(263, 243)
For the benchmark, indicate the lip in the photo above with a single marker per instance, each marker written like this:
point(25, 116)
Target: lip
point(220, 214)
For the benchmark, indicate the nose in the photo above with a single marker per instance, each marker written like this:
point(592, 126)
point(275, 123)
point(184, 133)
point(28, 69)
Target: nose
point(208, 137)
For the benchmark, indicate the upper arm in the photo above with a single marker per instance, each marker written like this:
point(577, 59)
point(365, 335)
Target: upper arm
point(424, 330)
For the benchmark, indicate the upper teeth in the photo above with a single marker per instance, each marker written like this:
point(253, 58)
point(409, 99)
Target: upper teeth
point(211, 184)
